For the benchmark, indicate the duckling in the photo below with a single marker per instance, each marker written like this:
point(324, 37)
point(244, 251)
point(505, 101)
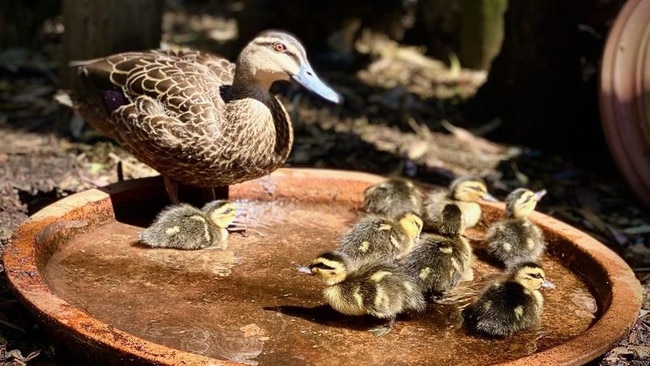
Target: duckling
point(510, 305)
point(379, 238)
point(465, 192)
point(393, 197)
point(183, 226)
point(439, 262)
point(516, 239)
point(379, 289)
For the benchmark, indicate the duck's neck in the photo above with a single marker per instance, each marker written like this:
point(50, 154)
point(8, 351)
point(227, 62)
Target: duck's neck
point(256, 108)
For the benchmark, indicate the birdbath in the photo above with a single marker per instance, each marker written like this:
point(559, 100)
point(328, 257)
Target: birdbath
point(78, 266)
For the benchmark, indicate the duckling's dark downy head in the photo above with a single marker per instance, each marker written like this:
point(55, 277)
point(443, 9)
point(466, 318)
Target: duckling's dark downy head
point(332, 267)
point(452, 220)
point(522, 201)
point(220, 212)
point(469, 189)
point(530, 275)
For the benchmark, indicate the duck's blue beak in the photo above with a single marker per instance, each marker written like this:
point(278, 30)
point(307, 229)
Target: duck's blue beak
point(490, 198)
point(540, 194)
point(548, 284)
point(305, 270)
point(308, 78)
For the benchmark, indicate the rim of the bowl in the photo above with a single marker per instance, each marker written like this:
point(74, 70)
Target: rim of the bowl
point(21, 269)
point(624, 78)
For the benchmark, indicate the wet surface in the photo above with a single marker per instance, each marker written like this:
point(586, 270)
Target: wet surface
point(248, 304)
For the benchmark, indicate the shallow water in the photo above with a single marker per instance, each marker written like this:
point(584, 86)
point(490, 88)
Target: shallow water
point(248, 304)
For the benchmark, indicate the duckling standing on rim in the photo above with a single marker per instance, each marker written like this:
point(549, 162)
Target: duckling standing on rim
point(393, 197)
point(381, 289)
point(197, 118)
point(516, 239)
point(510, 305)
point(379, 238)
point(440, 261)
point(465, 192)
point(183, 226)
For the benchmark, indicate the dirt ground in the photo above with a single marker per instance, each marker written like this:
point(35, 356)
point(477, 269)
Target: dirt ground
point(391, 124)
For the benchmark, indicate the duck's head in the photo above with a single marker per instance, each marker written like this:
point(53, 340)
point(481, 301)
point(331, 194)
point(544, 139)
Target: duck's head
point(452, 222)
point(522, 201)
point(530, 275)
point(331, 267)
point(469, 189)
point(220, 212)
point(275, 55)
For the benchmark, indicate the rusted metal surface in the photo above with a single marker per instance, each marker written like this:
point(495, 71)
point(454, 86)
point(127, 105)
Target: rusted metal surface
point(78, 266)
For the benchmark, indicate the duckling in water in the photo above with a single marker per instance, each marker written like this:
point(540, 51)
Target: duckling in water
point(516, 239)
point(380, 289)
point(183, 226)
point(510, 305)
point(393, 197)
point(465, 192)
point(439, 262)
point(379, 238)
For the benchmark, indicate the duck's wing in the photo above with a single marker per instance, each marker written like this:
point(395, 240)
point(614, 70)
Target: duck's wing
point(183, 85)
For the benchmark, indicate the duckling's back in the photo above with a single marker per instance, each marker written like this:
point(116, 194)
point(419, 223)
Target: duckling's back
point(438, 263)
point(181, 227)
point(503, 309)
point(382, 290)
point(515, 240)
point(374, 238)
point(393, 198)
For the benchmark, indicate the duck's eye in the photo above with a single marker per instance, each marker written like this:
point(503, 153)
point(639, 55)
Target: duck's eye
point(279, 47)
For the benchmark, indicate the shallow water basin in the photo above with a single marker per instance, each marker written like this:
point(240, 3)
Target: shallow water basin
point(247, 304)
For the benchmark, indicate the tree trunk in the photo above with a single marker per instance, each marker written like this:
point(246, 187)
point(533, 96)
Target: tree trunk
point(99, 28)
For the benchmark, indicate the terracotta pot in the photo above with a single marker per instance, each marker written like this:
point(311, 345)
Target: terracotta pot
point(625, 95)
point(77, 265)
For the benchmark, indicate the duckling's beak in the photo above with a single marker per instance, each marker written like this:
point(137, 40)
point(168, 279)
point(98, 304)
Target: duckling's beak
point(490, 198)
point(305, 270)
point(548, 284)
point(540, 194)
point(308, 78)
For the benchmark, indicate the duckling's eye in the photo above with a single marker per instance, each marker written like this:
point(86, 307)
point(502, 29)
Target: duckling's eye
point(536, 275)
point(279, 47)
point(321, 266)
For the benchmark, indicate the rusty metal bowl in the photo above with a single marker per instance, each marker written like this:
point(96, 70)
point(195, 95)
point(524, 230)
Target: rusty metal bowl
point(78, 267)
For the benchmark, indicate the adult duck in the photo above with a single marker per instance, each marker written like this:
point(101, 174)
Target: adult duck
point(196, 118)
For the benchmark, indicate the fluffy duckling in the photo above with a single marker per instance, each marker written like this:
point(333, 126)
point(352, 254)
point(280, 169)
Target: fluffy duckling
point(379, 238)
point(516, 239)
point(183, 226)
point(439, 262)
point(465, 192)
point(393, 197)
point(379, 289)
point(510, 305)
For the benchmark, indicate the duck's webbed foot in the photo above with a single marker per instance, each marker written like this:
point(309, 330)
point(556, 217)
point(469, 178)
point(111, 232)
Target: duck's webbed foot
point(384, 329)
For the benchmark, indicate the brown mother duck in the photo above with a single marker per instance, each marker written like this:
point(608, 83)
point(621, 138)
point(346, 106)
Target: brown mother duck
point(196, 118)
